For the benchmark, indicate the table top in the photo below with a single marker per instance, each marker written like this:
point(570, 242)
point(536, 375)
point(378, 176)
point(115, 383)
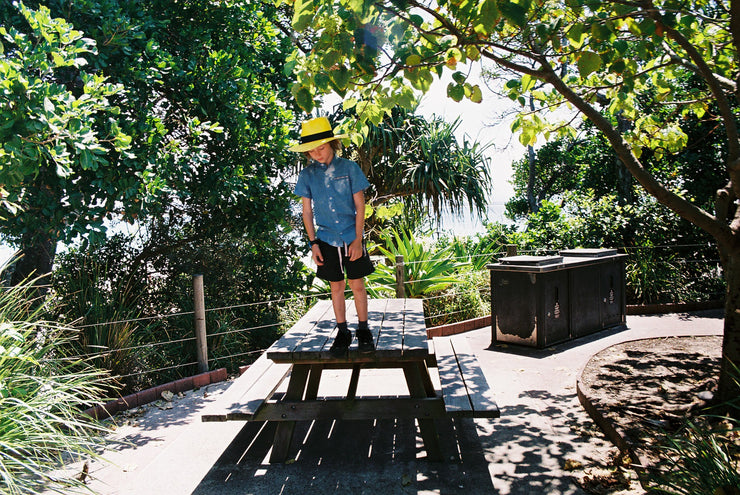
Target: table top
point(396, 324)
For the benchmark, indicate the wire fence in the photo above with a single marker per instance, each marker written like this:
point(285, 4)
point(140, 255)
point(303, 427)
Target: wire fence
point(230, 345)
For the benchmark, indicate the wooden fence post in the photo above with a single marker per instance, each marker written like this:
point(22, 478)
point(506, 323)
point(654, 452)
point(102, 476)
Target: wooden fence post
point(400, 278)
point(511, 250)
point(199, 306)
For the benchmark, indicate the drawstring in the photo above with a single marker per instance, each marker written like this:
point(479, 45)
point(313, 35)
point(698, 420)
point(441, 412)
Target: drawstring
point(339, 251)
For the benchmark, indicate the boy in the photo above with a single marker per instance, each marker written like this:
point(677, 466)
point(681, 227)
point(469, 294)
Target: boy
point(332, 190)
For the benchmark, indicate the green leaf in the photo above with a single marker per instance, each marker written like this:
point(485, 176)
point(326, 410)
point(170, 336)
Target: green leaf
point(488, 16)
point(576, 35)
point(340, 76)
point(331, 58)
point(455, 91)
point(413, 60)
point(528, 83)
point(514, 13)
point(303, 12)
point(304, 99)
point(588, 62)
point(477, 95)
point(322, 81)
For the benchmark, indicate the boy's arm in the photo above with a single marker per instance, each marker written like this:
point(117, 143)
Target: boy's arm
point(355, 247)
point(310, 230)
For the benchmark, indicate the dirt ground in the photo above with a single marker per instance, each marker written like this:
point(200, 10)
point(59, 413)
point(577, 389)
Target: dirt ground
point(646, 388)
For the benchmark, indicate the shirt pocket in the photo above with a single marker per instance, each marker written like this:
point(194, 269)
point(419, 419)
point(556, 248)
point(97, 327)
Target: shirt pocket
point(341, 185)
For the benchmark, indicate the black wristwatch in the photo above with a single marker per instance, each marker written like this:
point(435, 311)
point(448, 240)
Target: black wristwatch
point(313, 242)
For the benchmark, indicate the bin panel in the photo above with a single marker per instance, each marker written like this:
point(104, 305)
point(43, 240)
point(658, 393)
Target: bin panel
point(555, 310)
point(613, 296)
point(514, 307)
point(585, 307)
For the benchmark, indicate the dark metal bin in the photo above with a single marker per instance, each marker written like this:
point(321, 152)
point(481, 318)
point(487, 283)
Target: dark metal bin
point(539, 301)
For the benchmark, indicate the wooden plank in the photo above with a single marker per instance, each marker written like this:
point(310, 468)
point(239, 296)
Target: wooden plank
point(457, 401)
point(317, 341)
point(390, 338)
point(375, 312)
point(250, 403)
point(427, 428)
point(282, 348)
point(414, 329)
point(360, 408)
point(480, 393)
point(241, 389)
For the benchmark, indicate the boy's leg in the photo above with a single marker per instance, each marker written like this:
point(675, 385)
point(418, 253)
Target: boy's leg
point(360, 295)
point(364, 336)
point(337, 300)
point(344, 336)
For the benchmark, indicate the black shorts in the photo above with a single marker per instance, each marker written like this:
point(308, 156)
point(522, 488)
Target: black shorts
point(336, 263)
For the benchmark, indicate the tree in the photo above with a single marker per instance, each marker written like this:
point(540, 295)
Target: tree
point(594, 56)
point(56, 126)
point(201, 102)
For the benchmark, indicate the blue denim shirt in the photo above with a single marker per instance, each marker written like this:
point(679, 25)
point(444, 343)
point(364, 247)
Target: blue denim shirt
point(331, 188)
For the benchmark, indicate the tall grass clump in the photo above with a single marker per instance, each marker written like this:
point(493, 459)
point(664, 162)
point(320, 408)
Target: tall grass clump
point(42, 395)
point(701, 459)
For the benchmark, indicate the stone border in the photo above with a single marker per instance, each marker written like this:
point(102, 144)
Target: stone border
point(104, 411)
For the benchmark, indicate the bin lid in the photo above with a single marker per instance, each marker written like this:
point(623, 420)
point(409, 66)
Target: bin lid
point(524, 260)
point(588, 253)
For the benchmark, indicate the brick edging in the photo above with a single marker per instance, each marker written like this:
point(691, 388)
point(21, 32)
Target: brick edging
point(459, 327)
point(652, 309)
point(104, 411)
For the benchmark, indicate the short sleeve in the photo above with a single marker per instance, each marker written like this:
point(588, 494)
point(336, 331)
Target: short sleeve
point(357, 177)
point(301, 186)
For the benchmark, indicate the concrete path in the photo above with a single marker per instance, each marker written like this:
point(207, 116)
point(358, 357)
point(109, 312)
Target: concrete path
point(542, 428)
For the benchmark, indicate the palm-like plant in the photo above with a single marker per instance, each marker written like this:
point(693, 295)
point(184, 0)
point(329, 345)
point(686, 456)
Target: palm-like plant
point(42, 394)
point(426, 271)
point(420, 163)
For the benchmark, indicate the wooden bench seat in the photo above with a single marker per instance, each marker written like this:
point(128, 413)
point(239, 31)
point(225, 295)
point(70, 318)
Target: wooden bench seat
point(465, 389)
point(246, 396)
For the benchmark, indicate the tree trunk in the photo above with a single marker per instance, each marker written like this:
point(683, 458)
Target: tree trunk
point(37, 259)
point(534, 205)
point(625, 195)
point(729, 378)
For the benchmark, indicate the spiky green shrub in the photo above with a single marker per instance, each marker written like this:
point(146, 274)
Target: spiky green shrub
point(42, 395)
point(701, 459)
point(426, 271)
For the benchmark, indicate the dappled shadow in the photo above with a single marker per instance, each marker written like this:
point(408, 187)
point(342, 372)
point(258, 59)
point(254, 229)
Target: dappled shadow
point(646, 387)
point(368, 456)
point(522, 452)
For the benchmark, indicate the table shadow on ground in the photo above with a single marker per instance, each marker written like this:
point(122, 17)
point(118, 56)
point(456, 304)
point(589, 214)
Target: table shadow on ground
point(368, 456)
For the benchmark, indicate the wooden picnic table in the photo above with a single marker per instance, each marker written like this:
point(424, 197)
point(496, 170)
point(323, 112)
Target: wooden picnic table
point(399, 332)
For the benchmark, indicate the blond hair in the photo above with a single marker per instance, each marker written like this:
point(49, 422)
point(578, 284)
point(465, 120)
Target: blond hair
point(336, 145)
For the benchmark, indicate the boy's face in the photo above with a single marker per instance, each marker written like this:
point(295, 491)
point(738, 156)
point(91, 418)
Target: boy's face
point(323, 154)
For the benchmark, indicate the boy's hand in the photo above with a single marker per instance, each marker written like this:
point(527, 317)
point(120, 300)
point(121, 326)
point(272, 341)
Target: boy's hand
point(316, 255)
point(355, 249)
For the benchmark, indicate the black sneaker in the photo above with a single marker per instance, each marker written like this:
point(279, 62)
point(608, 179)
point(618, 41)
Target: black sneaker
point(341, 343)
point(366, 342)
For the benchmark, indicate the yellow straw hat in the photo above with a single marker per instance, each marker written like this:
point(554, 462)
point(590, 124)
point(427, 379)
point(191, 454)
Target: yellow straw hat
point(314, 133)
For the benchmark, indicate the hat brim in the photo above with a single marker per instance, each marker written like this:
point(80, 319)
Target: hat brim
point(303, 147)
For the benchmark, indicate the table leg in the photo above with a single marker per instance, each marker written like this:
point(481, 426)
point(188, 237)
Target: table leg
point(417, 388)
point(312, 390)
point(352, 391)
point(284, 432)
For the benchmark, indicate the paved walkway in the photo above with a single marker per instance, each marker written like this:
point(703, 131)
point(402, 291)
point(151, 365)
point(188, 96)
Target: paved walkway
point(542, 428)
